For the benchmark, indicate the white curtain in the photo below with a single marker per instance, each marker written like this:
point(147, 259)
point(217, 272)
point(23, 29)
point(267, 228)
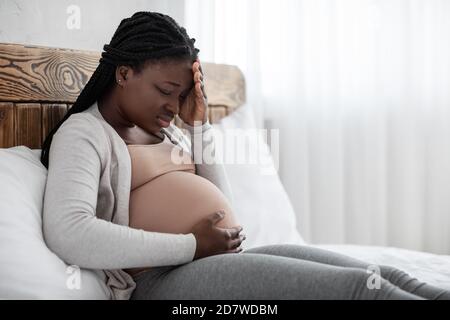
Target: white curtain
point(360, 92)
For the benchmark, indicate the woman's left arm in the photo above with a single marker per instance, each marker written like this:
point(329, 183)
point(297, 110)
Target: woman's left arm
point(194, 113)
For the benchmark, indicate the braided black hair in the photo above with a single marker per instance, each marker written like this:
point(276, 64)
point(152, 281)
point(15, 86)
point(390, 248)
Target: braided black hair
point(145, 36)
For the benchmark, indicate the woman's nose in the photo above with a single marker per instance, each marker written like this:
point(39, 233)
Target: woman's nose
point(173, 107)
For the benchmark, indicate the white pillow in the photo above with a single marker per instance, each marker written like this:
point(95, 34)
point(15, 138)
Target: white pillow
point(28, 269)
point(260, 201)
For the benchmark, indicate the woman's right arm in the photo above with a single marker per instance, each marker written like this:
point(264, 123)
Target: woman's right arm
point(71, 228)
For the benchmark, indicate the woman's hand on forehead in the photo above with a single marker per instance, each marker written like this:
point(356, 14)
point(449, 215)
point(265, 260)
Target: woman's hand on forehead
point(195, 108)
point(198, 75)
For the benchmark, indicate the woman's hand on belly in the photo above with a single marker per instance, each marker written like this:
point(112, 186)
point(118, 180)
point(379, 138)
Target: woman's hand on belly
point(212, 240)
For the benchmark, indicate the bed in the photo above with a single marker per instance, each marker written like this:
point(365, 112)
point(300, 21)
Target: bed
point(38, 85)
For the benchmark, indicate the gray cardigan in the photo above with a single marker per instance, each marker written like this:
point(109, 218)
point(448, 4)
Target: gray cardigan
point(85, 211)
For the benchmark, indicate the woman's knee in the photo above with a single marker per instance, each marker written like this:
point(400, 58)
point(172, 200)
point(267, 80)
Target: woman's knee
point(371, 285)
point(394, 275)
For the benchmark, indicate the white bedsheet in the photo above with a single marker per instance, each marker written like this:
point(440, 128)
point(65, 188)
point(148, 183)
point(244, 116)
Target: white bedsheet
point(427, 267)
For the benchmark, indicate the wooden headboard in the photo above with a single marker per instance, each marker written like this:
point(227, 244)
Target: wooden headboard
point(39, 84)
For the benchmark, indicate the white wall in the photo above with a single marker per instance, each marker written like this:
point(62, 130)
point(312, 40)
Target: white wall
point(44, 22)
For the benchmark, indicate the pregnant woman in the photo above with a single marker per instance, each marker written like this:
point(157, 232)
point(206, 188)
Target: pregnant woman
point(116, 201)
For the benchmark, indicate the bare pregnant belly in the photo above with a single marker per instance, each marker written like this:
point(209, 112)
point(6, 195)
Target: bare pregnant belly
point(174, 202)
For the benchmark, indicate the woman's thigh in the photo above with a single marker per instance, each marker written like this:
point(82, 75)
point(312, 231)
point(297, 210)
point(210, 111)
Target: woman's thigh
point(260, 276)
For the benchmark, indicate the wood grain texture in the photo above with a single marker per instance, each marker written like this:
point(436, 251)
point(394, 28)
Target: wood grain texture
point(51, 115)
point(39, 84)
point(39, 74)
point(7, 134)
point(28, 125)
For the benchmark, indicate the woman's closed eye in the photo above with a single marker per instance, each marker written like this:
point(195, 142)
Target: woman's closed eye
point(168, 93)
point(164, 92)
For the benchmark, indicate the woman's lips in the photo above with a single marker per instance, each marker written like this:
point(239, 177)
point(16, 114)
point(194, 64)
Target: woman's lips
point(164, 121)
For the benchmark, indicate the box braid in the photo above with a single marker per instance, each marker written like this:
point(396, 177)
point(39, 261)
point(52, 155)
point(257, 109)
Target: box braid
point(145, 36)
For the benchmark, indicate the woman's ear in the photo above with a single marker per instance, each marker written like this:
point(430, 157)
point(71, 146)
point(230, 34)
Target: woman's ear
point(122, 74)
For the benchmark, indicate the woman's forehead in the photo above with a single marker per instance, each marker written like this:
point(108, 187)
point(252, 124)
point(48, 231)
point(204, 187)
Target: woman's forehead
point(175, 71)
point(170, 66)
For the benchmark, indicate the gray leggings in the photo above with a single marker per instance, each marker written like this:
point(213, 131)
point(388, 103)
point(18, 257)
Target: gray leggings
point(290, 272)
